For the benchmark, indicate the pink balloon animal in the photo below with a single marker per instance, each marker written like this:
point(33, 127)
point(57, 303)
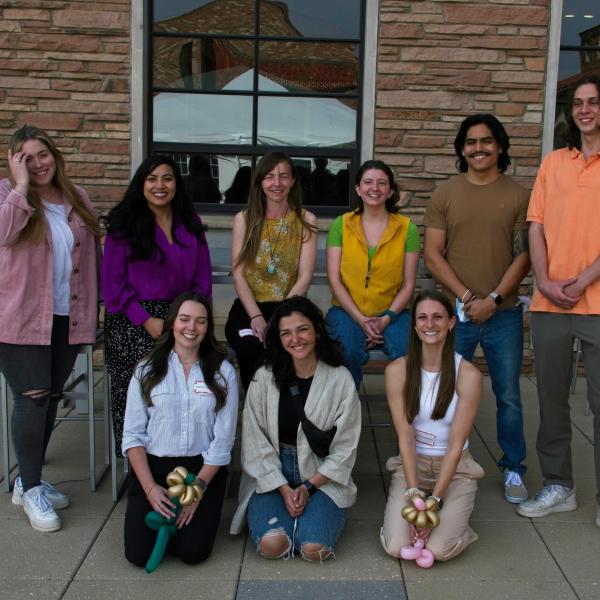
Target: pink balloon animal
point(417, 551)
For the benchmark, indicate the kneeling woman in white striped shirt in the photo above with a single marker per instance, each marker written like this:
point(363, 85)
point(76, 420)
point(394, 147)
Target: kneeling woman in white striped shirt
point(182, 407)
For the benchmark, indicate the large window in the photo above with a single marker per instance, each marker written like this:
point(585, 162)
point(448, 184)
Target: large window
point(233, 79)
point(579, 55)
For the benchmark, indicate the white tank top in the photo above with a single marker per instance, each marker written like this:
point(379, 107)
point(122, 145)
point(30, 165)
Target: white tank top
point(432, 436)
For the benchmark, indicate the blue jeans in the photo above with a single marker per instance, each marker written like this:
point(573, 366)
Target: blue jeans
point(501, 339)
point(320, 523)
point(347, 331)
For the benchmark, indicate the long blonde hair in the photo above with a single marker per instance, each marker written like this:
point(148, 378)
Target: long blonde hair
point(35, 230)
point(255, 211)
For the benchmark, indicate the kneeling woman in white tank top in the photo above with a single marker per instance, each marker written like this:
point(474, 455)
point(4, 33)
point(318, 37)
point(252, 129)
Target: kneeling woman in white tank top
point(434, 397)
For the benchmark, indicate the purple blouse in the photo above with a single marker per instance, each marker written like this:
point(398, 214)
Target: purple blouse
point(184, 267)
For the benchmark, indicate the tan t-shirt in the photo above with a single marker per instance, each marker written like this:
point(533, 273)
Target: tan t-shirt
point(479, 221)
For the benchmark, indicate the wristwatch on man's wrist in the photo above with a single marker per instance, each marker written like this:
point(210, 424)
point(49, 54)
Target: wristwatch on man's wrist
point(496, 297)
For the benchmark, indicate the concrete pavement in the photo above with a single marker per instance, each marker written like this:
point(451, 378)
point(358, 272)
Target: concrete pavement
point(551, 558)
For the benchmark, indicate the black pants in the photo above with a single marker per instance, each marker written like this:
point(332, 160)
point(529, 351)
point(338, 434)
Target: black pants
point(36, 368)
point(193, 543)
point(249, 351)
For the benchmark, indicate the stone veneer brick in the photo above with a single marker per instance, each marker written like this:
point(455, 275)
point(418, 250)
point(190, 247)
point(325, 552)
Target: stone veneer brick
point(440, 61)
point(65, 67)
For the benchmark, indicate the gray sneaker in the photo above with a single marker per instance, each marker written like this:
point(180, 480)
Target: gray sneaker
point(56, 498)
point(39, 511)
point(550, 499)
point(515, 491)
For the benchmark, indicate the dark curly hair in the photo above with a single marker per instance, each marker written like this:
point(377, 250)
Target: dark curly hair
point(132, 220)
point(391, 203)
point(278, 359)
point(498, 132)
point(573, 135)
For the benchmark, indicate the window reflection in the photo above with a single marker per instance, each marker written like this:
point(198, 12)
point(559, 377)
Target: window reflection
point(580, 29)
point(226, 179)
point(312, 18)
point(202, 63)
point(316, 122)
point(204, 16)
point(310, 66)
point(202, 118)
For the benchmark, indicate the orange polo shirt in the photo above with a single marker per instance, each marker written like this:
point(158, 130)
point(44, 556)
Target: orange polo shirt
point(566, 201)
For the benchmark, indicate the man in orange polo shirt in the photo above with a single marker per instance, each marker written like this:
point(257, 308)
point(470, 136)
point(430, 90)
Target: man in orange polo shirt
point(564, 244)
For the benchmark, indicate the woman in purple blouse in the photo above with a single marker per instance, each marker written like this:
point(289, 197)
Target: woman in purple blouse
point(155, 250)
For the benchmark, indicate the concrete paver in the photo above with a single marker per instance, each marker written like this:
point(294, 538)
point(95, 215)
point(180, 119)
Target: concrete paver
point(550, 558)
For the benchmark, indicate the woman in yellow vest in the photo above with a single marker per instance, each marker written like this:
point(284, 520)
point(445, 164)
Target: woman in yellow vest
point(372, 259)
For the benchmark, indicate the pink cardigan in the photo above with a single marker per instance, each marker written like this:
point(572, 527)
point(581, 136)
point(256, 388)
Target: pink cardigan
point(26, 277)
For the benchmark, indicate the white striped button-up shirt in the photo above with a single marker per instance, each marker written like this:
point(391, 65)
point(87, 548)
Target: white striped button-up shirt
point(182, 420)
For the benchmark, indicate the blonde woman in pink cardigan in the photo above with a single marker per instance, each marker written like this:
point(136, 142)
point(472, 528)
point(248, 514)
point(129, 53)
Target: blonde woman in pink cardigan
point(49, 299)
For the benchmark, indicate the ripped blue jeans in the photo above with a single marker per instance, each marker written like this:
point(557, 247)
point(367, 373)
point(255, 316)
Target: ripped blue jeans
point(320, 523)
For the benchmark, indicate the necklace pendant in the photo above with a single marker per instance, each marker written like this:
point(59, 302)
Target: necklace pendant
point(271, 268)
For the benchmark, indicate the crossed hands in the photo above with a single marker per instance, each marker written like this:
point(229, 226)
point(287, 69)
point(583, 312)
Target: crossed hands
point(563, 293)
point(295, 500)
point(373, 328)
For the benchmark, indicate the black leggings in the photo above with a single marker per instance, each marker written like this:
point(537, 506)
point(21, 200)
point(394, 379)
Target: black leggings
point(36, 368)
point(193, 543)
point(248, 350)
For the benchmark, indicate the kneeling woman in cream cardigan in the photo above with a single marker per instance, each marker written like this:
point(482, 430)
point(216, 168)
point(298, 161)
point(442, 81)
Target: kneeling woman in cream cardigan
point(297, 500)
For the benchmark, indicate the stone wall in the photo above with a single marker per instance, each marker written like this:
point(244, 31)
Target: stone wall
point(65, 67)
point(440, 61)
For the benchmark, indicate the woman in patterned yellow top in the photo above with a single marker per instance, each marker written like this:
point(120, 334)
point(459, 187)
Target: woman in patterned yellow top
point(274, 245)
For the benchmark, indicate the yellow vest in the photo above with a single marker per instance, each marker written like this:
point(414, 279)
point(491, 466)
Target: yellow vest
point(374, 288)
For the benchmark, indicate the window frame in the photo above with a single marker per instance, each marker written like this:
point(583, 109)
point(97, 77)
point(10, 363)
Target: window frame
point(254, 150)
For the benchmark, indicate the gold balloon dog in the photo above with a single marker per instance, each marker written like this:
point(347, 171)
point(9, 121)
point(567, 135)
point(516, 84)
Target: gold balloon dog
point(184, 486)
point(422, 513)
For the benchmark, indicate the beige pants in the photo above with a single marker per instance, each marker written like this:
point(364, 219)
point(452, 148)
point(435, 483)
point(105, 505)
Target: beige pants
point(453, 534)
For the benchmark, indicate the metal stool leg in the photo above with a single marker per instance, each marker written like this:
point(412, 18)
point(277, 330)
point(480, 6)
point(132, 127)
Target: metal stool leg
point(5, 438)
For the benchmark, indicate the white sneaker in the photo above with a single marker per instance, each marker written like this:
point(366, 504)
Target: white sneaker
point(514, 488)
point(550, 499)
point(39, 511)
point(56, 498)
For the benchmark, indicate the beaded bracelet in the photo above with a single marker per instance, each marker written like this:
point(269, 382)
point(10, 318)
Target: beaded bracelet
point(410, 492)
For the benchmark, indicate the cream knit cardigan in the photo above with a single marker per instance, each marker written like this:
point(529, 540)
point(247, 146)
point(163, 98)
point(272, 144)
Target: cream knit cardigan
point(332, 401)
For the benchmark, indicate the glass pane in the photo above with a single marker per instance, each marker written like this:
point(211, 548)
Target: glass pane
point(325, 181)
point(215, 178)
point(311, 18)
point(202, 118)
point(202, 64)
point(308, 67)
point(580, 22)
point(316, 122)
point(204, 16)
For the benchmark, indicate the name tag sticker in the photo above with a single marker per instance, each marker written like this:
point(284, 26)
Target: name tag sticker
point(245, 332)
point(424, 437)
point(200, 387)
